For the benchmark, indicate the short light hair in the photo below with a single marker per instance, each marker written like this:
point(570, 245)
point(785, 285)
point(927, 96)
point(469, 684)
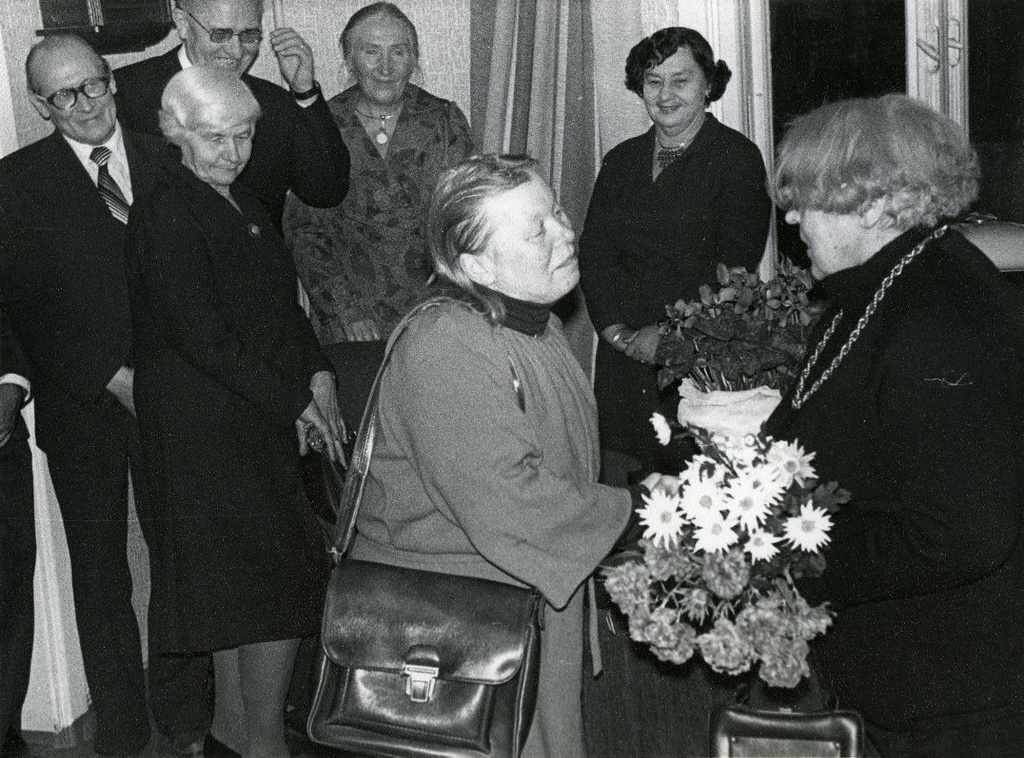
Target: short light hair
point(456, 223)
point(375, 10)
point(56, 45)
point(842, 157)
point(194, 90)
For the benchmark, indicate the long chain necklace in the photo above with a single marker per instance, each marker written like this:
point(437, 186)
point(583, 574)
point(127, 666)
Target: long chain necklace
point(381, 137)
point(799, 396)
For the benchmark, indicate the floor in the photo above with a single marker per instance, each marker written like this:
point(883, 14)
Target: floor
point(41, 744)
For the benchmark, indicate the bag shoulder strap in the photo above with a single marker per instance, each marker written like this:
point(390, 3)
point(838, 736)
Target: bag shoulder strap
point(359, 465)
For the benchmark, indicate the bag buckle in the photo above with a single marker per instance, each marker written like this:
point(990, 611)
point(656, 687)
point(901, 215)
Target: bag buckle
point(420, 684)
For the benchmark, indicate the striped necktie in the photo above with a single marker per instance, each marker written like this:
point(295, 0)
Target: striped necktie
point(108, 188)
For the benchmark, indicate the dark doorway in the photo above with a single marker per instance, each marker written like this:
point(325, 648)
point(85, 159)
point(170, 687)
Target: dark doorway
point(995, 45)
point(824, 51)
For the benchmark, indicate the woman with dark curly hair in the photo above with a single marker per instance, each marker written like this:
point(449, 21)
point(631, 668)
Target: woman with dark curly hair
point(668, 206)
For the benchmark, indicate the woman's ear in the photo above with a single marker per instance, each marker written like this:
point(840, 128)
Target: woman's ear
point(479, 268)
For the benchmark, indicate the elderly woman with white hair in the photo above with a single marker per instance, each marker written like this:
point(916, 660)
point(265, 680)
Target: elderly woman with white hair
point(227, 373)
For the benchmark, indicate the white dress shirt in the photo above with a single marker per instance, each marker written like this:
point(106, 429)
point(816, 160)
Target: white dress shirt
point(117, 165)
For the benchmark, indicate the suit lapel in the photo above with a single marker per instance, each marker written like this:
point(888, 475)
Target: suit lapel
point(67, 181)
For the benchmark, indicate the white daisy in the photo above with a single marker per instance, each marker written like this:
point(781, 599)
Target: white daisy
point(809, 530)
point(752, 493)
point(702, 497)
point(761, 545)
point(662, 518)
point(793, 464)
point(717, 533)
point(701, 466)
point(661, 428)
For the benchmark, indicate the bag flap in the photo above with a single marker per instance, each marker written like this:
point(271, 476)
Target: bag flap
point(377, 614)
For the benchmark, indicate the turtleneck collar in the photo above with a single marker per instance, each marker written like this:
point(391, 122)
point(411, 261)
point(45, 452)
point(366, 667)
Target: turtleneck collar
point(858, 282)
point(522, 316)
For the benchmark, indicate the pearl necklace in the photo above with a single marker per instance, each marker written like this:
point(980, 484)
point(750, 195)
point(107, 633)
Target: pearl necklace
point(799, 396)
point(381, 137)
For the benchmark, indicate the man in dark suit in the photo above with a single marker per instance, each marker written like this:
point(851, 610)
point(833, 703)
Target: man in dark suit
point(297, 144)
point(17, 544)
point(64, 202)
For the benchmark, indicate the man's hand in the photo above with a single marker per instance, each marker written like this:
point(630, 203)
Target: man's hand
point(295, 58)
point(11, 398)
point(120, 386)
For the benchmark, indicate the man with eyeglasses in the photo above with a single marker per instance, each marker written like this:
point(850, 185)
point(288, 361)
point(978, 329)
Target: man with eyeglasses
point(297, 145)
point(64, 203)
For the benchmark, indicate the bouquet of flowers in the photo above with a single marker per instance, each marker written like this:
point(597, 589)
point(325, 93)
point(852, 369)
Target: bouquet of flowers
point(745, 334)
point(714, 573)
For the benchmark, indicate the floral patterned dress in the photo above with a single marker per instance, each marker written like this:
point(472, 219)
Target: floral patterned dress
point(366, 258)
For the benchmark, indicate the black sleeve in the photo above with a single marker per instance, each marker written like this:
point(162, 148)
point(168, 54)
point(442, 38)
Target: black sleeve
point(952, 509)
point(318, 165)
point(599, 260)
point(741, 208)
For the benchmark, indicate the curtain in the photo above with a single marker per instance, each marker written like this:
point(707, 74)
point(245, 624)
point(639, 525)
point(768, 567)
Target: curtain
point(532, 92)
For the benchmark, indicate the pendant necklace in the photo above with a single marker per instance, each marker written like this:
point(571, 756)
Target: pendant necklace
point(381, 137)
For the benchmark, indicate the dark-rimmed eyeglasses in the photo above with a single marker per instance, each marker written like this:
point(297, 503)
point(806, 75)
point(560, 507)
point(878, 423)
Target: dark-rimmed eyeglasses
point(64, 99)
point(220, 36)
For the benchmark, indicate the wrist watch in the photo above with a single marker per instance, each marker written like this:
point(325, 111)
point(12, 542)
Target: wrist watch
point(311, 92)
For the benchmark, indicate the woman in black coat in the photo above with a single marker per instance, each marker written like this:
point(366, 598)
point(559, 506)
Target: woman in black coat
point(667, 208)
point(227, 373)
point(912, 397)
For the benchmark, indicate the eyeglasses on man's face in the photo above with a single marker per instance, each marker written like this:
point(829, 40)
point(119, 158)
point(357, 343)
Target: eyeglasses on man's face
point(220, 36)
point(65, 99)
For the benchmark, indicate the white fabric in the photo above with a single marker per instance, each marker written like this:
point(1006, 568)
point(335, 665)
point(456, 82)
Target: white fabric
point(117, 165)
point(20, 381)
point(731, 414)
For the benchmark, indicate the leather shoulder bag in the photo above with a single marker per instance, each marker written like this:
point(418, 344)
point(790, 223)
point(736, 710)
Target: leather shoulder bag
point(738, 731)
point(417, 663)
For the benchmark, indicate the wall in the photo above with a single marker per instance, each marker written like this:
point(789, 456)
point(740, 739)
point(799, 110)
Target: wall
point(443, 27)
